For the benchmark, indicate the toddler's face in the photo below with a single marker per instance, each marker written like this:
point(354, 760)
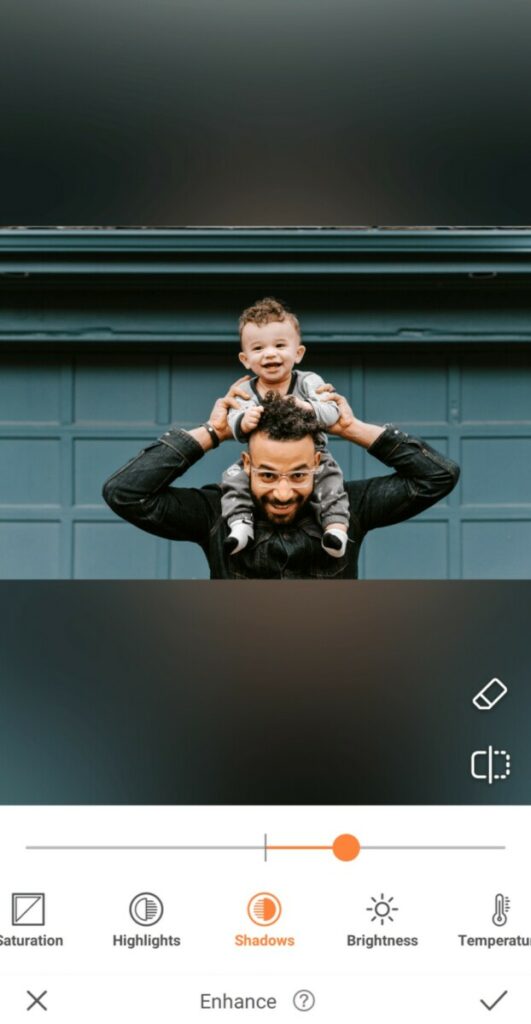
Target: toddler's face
point(270, 351)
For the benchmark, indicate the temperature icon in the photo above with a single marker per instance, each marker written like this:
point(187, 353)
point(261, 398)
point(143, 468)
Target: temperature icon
point(501, 909)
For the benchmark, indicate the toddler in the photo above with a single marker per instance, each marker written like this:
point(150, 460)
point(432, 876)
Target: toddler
point(270, 349)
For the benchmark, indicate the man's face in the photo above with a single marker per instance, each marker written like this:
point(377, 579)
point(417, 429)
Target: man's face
point(270, 351)
point(280, 497)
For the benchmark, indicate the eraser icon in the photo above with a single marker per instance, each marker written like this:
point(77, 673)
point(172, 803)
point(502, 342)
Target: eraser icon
point(490, 695)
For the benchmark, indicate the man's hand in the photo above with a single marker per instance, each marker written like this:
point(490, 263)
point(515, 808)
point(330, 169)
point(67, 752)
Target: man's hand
point(348, 426)
point(219, 415)
point(251, 419)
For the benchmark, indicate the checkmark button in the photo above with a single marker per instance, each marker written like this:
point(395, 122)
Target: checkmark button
point(27, 908)
point(495, 1003)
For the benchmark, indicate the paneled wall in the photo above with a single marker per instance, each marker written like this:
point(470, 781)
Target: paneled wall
point(68, 420)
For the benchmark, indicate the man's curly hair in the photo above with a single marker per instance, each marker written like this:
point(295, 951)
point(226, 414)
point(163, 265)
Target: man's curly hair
point(284, 420)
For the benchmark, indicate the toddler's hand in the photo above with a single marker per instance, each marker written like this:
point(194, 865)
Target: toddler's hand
point(346, 417)
point(302, 404)
point(251, 419)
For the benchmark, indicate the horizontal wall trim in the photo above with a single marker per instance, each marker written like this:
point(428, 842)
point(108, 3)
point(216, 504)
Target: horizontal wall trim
point(144, 433)
point(207, 251)
point(184, 288)
point(495, 513)
point(42, 339)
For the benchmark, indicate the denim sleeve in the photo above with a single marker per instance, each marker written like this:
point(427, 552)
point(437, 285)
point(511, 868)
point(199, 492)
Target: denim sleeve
point(422, 477)
point(140, 491)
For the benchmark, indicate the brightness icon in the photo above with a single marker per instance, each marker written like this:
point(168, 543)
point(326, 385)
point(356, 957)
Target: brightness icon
point(382, 909)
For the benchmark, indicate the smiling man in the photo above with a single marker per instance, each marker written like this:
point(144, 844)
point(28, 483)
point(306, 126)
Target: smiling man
point(282, 461)
point(282, 464)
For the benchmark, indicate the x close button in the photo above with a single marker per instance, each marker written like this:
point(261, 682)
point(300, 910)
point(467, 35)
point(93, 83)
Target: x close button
point(37, 1000)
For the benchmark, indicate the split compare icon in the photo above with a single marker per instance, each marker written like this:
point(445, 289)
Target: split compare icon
point(490, 765)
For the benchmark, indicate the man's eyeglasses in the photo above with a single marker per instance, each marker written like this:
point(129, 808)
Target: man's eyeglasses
point(297, 477)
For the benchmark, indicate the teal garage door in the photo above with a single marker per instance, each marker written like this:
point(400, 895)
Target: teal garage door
point(69, 420)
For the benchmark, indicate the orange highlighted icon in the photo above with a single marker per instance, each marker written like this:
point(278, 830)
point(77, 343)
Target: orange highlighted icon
point(264, 909)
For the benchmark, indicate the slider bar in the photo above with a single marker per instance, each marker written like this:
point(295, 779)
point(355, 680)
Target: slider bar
point(264, 847)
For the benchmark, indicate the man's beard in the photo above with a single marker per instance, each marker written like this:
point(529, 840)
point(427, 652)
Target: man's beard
point(267, 507)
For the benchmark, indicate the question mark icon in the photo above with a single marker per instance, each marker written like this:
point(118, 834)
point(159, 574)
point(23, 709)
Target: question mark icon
point(304, 1000)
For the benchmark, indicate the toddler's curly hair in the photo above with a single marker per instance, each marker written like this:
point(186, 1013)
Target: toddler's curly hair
point(265, 311)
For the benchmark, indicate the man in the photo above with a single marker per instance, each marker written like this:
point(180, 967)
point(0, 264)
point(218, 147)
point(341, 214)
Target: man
point(281, 462)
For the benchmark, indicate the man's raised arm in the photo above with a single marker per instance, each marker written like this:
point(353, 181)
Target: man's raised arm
point(422, 475)
point(140, 491)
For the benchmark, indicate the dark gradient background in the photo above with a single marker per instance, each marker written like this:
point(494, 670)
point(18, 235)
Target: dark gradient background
point(260, 692)
point(201, 112)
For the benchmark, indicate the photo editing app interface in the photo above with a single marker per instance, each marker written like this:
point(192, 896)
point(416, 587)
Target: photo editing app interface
point(263, 799)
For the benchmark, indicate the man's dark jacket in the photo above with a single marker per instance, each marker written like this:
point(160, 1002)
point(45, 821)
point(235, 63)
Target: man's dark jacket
point(140, 492)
